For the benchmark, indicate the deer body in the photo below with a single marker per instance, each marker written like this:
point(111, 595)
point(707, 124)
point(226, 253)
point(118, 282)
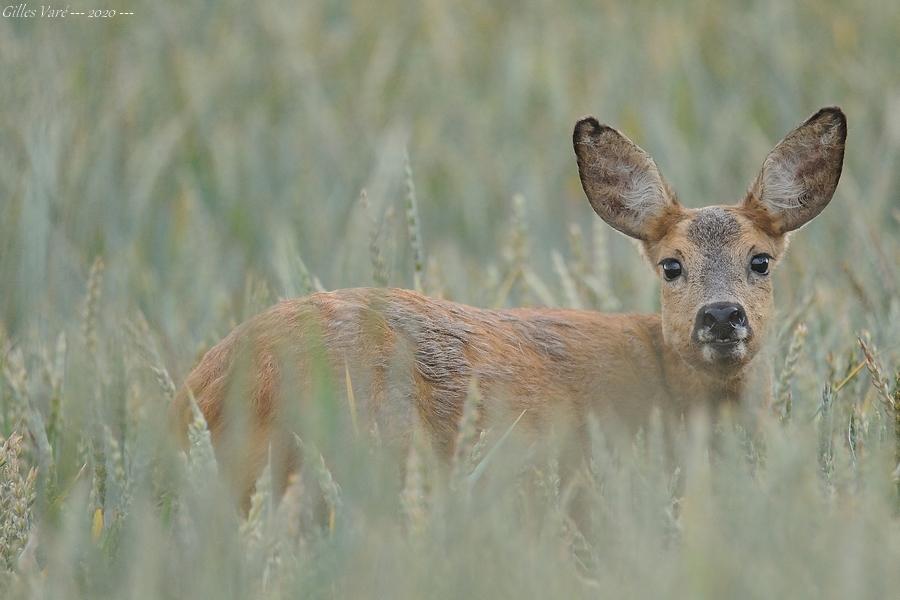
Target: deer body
point(403, 359)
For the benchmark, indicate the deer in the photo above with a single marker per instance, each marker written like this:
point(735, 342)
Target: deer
point(408, 361)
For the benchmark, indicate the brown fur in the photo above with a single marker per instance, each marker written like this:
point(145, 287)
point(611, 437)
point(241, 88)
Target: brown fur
point(410, 359)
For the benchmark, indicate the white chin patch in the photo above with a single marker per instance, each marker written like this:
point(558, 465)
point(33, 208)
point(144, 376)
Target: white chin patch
point(711, 355)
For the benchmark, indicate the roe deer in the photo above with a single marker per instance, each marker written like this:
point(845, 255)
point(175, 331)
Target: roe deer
point(410, 359)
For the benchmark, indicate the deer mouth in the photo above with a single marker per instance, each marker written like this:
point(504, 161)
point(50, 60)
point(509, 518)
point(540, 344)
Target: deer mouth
point(724, 344)
point(728, 350)
point(724, 347)
point(723, 338)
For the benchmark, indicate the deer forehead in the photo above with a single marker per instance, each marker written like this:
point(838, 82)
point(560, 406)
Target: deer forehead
point(713, 229)
point(715, 233)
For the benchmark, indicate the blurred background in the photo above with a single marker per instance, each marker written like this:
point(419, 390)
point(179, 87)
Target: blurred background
point(212, 156)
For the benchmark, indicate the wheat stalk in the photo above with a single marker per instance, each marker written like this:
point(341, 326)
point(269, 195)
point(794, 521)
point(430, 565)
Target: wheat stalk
point(826, 434)
point(119, 474)
point(879, 381)
point(17, 494)
point(580, 268)
point(518, 251)
point(290, 510)
point(413, 497)
point(897, 431)
point(570, 291)
point(467, 434)
point(891, 402)
point(308, 283)
point(54, 372)
point(331, 491)
point(91, 306)
point(785, 396)
point(376, 255)
point(601, 283)
point(201, 456)
point(142, 338)
point(252, 530)
point(16, 376)
point(413, 227)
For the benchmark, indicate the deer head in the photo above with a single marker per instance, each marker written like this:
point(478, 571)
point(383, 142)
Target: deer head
point(715, 263)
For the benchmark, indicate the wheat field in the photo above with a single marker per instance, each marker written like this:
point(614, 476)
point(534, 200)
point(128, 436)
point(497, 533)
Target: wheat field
point(170, 173)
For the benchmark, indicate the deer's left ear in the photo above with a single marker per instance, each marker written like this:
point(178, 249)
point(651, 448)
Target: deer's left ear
point(799, 176)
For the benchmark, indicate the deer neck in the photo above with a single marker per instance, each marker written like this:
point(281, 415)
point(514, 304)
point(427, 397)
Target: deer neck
point(691, 387)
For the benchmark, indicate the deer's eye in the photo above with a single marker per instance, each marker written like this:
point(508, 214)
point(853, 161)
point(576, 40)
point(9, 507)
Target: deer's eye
point(760, 263)
point(671, 269)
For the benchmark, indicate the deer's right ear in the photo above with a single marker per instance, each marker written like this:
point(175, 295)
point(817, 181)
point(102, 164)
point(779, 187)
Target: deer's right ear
point(622, 182)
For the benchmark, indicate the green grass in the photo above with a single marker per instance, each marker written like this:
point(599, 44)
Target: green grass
point(168, 174)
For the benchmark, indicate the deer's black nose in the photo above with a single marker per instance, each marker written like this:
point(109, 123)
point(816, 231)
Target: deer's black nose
point(719, 320)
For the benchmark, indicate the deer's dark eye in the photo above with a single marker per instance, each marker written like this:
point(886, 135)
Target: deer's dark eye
point(760, 263)
point(671, 269)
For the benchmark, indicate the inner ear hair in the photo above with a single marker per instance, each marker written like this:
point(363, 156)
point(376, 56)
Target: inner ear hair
point(800, 174)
